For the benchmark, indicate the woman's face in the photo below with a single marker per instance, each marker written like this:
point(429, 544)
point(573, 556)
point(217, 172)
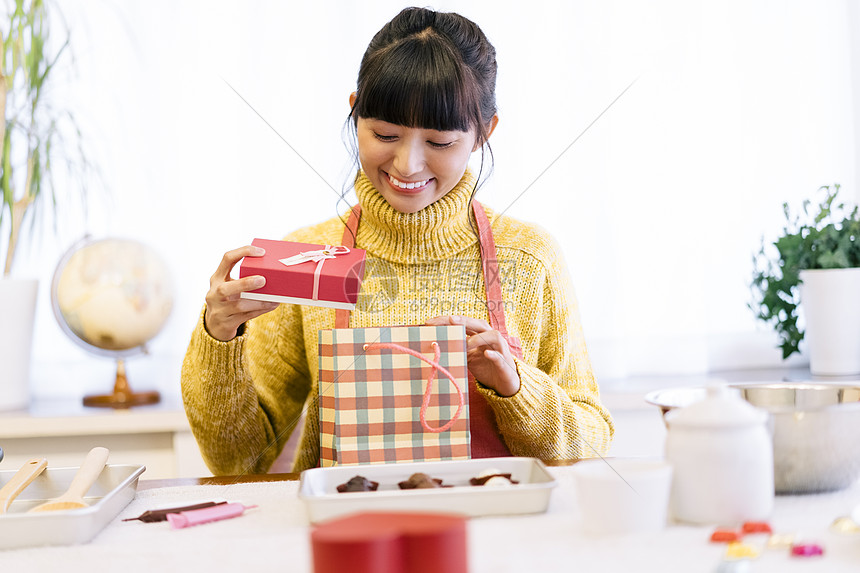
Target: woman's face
point(412, 167)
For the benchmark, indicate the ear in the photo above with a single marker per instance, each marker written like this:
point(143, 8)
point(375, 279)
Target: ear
point(351, 100)
point(490, 128)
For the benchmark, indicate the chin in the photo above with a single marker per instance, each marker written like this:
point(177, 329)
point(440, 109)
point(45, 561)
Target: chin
point(405, 206)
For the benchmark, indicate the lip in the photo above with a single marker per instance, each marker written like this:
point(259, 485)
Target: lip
point(414, 191)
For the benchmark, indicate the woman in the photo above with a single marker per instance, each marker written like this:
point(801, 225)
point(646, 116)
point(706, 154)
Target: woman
point(425, 101)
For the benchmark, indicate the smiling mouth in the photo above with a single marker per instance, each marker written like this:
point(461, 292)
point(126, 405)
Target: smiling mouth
point(408, 185)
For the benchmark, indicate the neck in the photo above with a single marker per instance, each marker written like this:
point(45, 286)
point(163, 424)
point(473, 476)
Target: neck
point(436, 232)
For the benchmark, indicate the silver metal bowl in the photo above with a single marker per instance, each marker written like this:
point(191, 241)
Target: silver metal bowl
point(816, 430)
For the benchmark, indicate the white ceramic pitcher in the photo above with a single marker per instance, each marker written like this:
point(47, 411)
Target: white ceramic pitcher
point(722, 453)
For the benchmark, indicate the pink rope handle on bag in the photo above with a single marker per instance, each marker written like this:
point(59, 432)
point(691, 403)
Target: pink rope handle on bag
point(436, 367)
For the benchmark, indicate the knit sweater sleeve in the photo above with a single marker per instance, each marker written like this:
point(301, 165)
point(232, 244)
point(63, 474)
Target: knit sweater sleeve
point(557, 413)
point(244, 397)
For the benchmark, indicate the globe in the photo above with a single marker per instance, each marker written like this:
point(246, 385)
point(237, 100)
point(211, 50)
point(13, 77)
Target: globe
point(112, 296)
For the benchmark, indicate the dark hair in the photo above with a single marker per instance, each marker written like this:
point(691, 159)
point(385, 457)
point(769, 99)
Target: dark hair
point(429, 69)
point(432, 70)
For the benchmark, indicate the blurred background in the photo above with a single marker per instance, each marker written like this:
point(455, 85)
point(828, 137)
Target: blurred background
point(737, 106)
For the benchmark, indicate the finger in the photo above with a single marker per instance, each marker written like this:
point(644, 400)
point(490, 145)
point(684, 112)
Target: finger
point(488, 339)
point(236, 287)
point(230, 258)
point(445, 320)
point(509, 381)
point(230, 291)
point(500, 361)
point(248, 315)
point(245, 305)
point(473, 325)
point(222, 324)
point(496, 357)
point(227, 311)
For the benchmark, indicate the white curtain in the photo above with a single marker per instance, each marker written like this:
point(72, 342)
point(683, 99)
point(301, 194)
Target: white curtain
point(735, 106)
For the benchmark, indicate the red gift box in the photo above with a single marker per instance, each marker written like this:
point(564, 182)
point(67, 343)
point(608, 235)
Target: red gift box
point(389, 542)
point(305, 273)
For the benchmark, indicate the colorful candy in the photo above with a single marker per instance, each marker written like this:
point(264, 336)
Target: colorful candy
point(844, 525)
point(756, 527)
point(780, 540)
point(738, 550)
point(722, 535)
point(806, 550)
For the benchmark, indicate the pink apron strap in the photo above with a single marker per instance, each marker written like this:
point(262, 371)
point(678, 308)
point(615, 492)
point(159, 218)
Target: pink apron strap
point(492, 280)
point(485, 436)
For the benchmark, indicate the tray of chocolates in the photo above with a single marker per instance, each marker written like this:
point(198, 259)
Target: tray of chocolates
point(478, 487)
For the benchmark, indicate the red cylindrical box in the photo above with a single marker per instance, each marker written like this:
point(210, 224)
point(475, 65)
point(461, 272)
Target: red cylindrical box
point(391, 542)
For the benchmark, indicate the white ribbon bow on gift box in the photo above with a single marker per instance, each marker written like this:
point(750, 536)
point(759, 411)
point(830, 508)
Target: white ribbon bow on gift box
point(319, 257)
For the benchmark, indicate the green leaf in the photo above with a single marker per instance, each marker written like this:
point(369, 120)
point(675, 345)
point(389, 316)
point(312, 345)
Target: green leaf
point(827, 237)
point(27, 62)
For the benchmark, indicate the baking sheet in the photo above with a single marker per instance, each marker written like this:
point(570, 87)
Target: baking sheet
point(318, 488)
point(114, 489)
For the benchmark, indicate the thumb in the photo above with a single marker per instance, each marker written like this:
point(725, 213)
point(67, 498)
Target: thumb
point(493, 355)
point(498, 359)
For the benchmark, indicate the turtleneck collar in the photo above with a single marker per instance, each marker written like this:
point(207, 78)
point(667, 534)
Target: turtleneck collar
point(438, 231)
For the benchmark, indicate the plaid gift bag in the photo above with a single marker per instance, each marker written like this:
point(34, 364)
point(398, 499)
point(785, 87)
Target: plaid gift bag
point(393, 394)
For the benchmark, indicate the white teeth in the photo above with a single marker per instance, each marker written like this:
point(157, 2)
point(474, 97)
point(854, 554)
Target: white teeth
point(402, 185)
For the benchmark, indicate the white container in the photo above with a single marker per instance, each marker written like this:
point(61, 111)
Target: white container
point(830, 301)
point(318, 488)
point(722, 454)
point(112, 491)
point(17, 315)
point(622, 495)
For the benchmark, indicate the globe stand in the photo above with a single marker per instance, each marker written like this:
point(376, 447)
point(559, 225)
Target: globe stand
point(122, 396)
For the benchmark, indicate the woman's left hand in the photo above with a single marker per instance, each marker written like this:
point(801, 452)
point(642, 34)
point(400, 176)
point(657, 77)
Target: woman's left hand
point(487, 354)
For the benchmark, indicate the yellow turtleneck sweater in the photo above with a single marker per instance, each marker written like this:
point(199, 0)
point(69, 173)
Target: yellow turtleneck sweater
point(245, 396)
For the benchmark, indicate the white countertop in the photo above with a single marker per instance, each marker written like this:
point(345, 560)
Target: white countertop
point(275, 537)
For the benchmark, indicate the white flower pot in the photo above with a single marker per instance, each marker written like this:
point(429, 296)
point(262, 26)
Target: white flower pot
point(18, 312)
point(830, 301)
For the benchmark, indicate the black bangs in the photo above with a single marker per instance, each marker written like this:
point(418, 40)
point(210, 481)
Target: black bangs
point(418, 82)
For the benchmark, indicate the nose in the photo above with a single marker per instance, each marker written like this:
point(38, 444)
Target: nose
point(409, 157)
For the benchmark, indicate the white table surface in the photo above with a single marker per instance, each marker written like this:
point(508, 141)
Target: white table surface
point(275, 537)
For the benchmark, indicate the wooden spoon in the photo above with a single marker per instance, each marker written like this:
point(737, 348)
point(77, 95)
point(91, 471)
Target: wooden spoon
point(22, 478)
point(87, 474)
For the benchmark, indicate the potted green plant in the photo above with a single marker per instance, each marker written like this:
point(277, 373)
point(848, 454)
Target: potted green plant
point(814, 263)
point(37, 136)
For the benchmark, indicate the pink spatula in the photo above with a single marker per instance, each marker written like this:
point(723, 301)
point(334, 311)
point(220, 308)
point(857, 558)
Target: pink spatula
point(87, 474)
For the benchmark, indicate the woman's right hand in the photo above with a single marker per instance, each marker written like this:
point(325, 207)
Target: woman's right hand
point(225, 311)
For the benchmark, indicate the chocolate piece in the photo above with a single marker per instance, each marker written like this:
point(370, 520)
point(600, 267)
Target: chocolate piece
point(498, 481)
point(481, 480)
point(420, 481)
point(154, 515)
point(358, 483)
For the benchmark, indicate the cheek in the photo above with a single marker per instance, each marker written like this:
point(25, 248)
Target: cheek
point(370, 152)
point(451, 166)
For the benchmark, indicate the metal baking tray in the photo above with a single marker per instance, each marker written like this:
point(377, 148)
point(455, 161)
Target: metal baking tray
point(112, 491)
point(318, 488)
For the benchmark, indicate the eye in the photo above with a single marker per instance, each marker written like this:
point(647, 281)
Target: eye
point(381, 137)
point(440, 145)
